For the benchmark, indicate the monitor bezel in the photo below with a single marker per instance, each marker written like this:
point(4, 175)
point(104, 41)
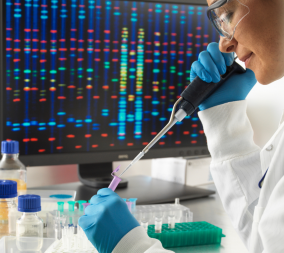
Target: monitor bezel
point(98, 156)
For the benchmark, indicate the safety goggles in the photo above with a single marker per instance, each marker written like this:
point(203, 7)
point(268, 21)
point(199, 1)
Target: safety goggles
point(226, 15)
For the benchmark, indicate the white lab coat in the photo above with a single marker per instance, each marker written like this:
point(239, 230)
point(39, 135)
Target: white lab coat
point(237, 167)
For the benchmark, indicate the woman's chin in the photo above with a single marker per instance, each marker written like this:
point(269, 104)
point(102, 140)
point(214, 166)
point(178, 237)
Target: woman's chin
point(265, 77)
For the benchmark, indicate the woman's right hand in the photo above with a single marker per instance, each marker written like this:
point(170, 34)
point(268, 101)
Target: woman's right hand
point(210, 66)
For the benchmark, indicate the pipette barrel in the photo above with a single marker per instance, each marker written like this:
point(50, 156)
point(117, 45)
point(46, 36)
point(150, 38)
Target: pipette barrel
point(114, 183)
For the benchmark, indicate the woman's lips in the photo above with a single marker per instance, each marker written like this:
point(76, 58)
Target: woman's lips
point(246, 59)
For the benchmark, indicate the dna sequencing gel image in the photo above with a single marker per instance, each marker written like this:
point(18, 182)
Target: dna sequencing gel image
point(85, 76)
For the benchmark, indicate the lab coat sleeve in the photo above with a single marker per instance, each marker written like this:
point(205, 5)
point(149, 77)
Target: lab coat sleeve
point(138, 241)
point(235, 166)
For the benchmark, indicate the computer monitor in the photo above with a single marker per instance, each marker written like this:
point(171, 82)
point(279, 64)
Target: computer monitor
point(91, 82)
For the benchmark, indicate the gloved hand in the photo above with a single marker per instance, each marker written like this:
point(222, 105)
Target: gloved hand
point(107, 220)
point(210, 65)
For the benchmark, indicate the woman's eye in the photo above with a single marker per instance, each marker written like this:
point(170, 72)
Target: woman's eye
point(229, 17)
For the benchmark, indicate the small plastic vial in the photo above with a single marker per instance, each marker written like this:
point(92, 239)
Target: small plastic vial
point(8, 208)
point(29, 231)
point(158, 225)
point(171, 221)
point(11, 167)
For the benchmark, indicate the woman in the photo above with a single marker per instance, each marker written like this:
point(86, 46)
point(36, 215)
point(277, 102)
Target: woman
point(249, 181)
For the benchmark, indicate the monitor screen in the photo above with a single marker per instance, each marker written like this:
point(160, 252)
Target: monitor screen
point(86, 76)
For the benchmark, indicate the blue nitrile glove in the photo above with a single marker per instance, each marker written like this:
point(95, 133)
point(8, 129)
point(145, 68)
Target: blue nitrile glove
point(210, 65)
point(107, 220)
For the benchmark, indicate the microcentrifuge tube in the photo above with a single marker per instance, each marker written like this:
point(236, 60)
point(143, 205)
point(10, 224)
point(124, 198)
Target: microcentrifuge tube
point(60, 207)
point(172, 219)
point(81, 207)
point(171, 222)
point(129, 205)
point(133, 204)
point(177, 201)
point(145, 218)
point(158, 225)
point(85, 205)
point(145, 224)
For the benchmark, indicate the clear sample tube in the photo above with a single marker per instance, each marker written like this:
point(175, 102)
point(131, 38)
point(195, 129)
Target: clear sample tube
point(145, 220)
point(171, 222)
point(178, 211)
point(158, 220)
point(177, 201)
point(8, 207)
point(57, 225)
point(172, 218)
point(29, 231)
point(158, 225)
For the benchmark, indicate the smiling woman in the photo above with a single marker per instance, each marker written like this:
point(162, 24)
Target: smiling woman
point(254, 31)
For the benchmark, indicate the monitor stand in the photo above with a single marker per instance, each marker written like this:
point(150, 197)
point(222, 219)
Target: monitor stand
point(98, 175)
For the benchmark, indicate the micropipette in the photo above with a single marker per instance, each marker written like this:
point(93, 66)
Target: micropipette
point(195, 93)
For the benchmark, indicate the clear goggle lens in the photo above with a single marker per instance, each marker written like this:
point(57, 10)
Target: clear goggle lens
point(227, 17)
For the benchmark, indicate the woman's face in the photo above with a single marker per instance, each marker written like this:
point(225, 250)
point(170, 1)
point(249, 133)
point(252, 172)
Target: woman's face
point(259, 39)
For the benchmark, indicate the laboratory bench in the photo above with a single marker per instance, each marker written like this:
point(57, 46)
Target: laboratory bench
point(208, 209)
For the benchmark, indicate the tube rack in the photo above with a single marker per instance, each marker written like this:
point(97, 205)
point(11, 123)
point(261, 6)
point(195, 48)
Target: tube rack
point(187, 234)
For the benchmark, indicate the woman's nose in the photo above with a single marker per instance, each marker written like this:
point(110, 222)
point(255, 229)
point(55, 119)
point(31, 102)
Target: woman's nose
point(227, 46)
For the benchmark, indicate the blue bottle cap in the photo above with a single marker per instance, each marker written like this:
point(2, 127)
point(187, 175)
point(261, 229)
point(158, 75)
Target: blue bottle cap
point(29, 203)
point(10, 147)
point(8, 189)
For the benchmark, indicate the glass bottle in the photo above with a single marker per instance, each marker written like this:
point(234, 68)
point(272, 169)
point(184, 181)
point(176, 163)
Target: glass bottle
point(11, 167)
point(8, 208)
point(29, 231)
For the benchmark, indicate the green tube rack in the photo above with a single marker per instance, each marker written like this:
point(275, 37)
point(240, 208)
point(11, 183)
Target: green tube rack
point(187, 234)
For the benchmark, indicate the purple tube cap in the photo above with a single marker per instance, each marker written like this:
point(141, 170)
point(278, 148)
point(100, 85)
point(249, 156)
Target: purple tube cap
point(85, 205)
point(114, 183)
point(129, 204)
